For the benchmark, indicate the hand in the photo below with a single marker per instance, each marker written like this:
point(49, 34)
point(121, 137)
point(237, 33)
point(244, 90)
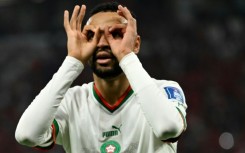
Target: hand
point(127, 44)
point(78, 45)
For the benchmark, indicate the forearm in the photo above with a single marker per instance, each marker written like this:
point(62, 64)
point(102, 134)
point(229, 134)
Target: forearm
point(38, 117)
point(163, 117)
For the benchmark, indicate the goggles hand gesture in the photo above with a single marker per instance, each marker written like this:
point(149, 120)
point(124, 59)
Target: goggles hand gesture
point(78, 45)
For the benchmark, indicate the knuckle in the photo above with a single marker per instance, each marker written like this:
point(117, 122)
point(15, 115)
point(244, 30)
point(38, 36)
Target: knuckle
point(134, 20)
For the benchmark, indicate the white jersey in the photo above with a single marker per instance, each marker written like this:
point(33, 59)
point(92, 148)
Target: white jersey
point(85, 123)
point(88, 125)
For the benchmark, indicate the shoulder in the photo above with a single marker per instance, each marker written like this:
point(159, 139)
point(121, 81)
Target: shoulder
point(76, 96)
point(82, 89)
point(77, 93)
point(174, 94)
point(166, 83)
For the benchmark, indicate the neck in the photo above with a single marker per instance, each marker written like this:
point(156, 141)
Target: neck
point(112, 89)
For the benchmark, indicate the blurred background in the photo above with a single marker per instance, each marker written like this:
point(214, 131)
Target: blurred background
point(198, 43)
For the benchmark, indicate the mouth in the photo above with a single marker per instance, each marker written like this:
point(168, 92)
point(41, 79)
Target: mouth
point(103, 57)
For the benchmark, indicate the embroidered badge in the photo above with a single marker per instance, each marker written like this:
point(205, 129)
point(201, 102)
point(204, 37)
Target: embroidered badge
point(110, 147)
point(174, 93)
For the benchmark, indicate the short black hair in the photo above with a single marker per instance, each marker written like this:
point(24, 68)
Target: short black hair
point(107, 7)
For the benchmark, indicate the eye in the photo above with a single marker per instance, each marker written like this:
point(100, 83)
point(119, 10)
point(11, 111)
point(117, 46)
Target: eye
point(90, 35)
point(117, 34)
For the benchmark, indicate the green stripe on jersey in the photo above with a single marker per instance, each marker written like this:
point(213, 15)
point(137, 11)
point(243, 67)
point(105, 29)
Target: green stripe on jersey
point(56, 126)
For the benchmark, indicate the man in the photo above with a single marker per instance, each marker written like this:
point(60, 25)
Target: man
point(122, 110)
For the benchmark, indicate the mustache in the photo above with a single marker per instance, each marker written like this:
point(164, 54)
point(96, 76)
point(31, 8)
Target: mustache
point(105, 48)
point(98, 50)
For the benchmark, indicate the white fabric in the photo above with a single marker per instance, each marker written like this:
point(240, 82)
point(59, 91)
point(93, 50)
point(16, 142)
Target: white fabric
point(146, 90)
point(145, 119)
point(40, 114)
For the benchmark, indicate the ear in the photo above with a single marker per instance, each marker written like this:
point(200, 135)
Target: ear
point(137, 45)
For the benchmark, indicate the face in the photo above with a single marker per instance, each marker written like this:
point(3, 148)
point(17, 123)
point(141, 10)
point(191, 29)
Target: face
point(103, 63)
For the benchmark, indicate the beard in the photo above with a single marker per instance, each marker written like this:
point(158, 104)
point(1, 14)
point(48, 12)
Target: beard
point(103, 72)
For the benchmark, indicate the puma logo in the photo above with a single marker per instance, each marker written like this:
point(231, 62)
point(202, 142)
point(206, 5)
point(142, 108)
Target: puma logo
point(117, 128)
point(113, 132)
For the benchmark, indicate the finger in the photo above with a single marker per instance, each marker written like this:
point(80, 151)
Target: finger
point(66, 21)
point(73, 21)
point(97, 35)
point(123, 11)
point(80, 17)
point(87, 28)
point(120, 27)
point(108, 35)
point(120, 13)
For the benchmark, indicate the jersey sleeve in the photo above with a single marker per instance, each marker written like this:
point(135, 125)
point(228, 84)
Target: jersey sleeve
point(161, 112)
point(61, 117)
point(49, 138)
point(34, 127)
point(176, 97)
point(56, 132)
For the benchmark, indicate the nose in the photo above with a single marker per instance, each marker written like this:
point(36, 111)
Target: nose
point(102, 40)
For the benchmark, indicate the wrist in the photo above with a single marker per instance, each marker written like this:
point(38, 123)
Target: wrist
point(77, 57)
point(75, 61)
point(122, 55)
